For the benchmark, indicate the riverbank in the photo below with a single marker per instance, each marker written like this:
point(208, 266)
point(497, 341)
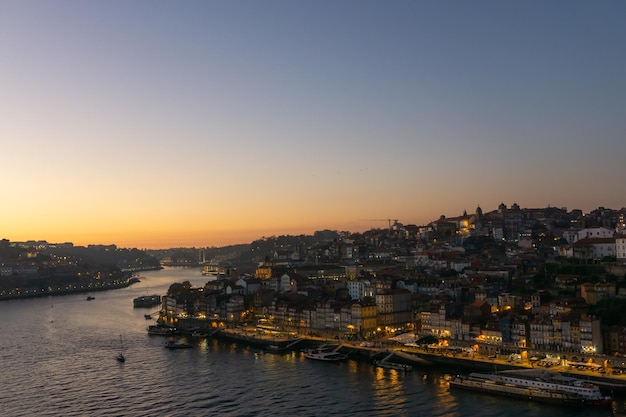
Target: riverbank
point(70, 286)
point(69, 289)
point(413, 356)
point(608, 382)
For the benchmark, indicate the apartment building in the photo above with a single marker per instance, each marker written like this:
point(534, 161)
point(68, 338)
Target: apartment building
point(620, 249)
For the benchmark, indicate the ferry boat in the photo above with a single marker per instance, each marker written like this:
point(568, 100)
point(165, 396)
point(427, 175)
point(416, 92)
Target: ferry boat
point(491, 386)
point(213, 270)
point(539, 386)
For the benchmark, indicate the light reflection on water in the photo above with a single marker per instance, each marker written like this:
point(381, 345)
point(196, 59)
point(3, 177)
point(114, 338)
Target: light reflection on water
point(445, 403)
point(58, 357)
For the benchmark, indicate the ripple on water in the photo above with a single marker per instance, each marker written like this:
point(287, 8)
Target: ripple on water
point(60, 361)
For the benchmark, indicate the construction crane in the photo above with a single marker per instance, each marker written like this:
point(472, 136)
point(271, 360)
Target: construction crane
point(381, 220)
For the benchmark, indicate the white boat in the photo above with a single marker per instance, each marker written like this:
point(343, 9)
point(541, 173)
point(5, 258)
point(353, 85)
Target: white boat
point(477, 383)
point(212, 270)
point(324, 354)
point(542, 385)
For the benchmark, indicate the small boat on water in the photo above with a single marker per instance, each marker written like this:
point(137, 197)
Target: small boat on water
point(176, 344)
point(324, 354)
point(89, 298)
point(549, 387)
point(120, 357)
point(213, 270)
point(157, 330)
point(151, 316)
point(147, 301)
point(274, 348)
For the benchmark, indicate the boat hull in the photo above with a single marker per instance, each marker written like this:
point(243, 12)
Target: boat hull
point(516, 392)
point(599, 403)
point(393, 365)
point(177, 345)
point(161, 331)
point(545, 381)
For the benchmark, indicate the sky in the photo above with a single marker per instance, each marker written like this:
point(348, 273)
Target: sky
point(157, 124)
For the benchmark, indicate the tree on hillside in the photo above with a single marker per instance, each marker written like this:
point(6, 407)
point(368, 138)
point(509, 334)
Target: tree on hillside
point(611, 312)
point(179, 288)
point(427, 340)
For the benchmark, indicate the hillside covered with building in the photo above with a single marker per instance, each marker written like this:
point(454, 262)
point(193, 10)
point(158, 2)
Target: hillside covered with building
point(507, 280)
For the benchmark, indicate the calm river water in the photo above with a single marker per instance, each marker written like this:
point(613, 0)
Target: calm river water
point(58, 359)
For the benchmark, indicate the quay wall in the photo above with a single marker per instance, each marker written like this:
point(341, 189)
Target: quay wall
point(78, 290)
point(415, 357)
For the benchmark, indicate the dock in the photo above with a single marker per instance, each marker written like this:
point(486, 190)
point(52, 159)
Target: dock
point(388, 364)
point(405, 358)
point(270, 343)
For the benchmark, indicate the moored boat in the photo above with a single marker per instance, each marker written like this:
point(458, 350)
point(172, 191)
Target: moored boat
point(393, 365)
point(498, 387)
point(147, 301)
point(274, 348)
point(120, 357)
point(176, 344)
point(212, 270)
point(157, 330)
point(545, 387)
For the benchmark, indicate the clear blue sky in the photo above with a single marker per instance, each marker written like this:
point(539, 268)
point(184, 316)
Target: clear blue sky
point(160, 123)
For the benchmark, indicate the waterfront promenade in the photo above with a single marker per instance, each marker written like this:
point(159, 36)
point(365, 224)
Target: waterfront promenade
point(428, 357)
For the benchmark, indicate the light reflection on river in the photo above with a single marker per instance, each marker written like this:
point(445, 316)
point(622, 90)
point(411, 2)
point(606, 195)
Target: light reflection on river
point(58, 358)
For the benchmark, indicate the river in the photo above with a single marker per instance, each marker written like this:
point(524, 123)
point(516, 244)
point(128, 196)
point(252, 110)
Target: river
point(58, 359)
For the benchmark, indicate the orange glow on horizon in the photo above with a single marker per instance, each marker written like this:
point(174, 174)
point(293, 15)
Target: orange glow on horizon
point(164, 239)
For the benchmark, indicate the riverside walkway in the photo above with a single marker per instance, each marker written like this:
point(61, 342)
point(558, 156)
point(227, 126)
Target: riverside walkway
point(423, 357)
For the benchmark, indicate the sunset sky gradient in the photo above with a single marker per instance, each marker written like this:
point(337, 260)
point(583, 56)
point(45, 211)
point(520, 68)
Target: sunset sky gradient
point(156, 124)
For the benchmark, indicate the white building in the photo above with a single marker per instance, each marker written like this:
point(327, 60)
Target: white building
point(594, 248)
point(620, 249)
point(573, 236)
point(359, 289)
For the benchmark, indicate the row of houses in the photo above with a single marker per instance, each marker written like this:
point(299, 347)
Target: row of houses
point(304, 310)
point(295, 303)
point(569, 331)
point(394, 284)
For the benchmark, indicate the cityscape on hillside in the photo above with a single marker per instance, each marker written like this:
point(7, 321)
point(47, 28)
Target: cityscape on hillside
point(502, 282)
